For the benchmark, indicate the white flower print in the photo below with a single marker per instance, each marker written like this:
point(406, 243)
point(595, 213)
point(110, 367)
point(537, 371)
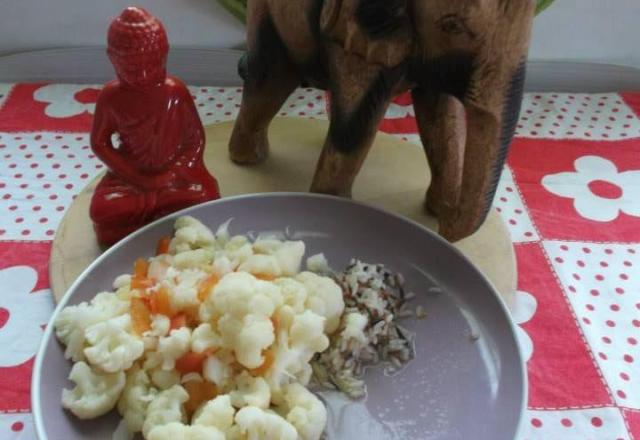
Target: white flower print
point(22, 315)
point(523, 309)
point(62, 101)
point(600, 192)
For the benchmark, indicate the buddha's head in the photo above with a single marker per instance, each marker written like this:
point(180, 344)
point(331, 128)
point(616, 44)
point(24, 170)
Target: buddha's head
point(138, 48)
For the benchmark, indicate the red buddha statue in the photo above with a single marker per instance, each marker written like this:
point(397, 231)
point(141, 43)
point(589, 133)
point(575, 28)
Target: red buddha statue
point(148, 133)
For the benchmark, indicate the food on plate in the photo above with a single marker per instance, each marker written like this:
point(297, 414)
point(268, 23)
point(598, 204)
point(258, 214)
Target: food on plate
point(218, 337)
point(368, 332)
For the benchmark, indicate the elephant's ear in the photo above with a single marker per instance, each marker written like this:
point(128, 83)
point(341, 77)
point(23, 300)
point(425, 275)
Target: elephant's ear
point(378, 30)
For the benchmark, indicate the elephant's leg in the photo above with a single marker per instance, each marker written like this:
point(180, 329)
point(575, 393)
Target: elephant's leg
point(441, 122)
point(270, 78)
point(360, 96)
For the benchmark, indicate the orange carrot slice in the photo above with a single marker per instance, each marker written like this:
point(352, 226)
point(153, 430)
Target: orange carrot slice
point(140, 316)
point(163, 246)
point(199, 393)
point(204, 289)
point(140, 268)
point(264, 276)
point(160, 302)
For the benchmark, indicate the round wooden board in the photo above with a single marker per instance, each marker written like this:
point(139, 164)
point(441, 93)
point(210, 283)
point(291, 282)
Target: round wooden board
point(395, 177)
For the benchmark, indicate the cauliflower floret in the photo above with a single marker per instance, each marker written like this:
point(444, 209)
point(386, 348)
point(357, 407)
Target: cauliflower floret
point(73, 321)
point(318, 263)
point(261, 264)
point(256, 335)
point(307, 331)
point(217, 413)
point(240, 293)
point(95, 394)
point(160, 378)
point(167, 407)
point(190, 234)
point(294, 293)
point(122, 281)
point(237, 250)
point(251, 391)
point(160, 326)
point(305, 411)
point(185, 291)
point(355, 323)
point(288, 254)
point(178, 431)
point(221, 266)
point(324, 298)
point(174, 346)
point(159, 267)
point(289, 365)
point(112, 347)
point(194, 258)
point(138, 393)
point(217, 371)
point(204, 338)
point(258, 424)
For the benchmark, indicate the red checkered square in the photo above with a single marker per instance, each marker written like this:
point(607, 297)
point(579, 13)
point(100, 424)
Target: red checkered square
point(562, 373)
point(25, 308)
point(632, 419)
point(49, 107)
point(595, 423)
point(580, 190)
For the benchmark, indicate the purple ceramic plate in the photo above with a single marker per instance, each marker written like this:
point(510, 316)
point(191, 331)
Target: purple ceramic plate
point(467, 381)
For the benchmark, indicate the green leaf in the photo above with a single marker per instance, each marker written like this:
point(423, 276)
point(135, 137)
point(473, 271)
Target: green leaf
point(542, 5)
point(238, 8)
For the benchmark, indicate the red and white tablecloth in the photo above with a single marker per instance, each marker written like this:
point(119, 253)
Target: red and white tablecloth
point(570, 197)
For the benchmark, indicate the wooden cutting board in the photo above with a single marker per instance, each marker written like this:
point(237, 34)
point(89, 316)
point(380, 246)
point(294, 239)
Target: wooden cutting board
point(395, 177)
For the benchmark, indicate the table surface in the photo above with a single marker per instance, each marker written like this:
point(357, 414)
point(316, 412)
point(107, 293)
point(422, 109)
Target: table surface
point(570, 196)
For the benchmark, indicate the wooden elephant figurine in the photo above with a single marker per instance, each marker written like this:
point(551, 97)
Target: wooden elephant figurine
point(464, 62)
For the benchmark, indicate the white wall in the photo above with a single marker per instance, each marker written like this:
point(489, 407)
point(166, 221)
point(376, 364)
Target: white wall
point(585, 30)
point(39, 24)
point(606, 31)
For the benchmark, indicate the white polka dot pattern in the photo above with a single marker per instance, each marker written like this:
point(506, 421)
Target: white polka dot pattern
point(513, 211)
point(217, 104)
point(601, 282)
point(579, 116)
point(17, 426)
point(5, 89)
point(40, 175)
point(599, 423)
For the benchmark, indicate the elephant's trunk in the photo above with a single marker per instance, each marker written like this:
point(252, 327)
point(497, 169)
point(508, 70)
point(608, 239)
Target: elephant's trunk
point(511, 106)
point(491, 123)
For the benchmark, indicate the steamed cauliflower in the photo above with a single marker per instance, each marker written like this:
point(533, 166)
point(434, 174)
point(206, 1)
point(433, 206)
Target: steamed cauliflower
point(287, 254)
point(324, 298)
point(174, 346)
point(72, 322)
point(178, 431)
point(257, 424)
point(230, 313)
point(217, 413)
point(165, 408)
point(136, 397)
point(217, 371)
point(255, 336)
point(112, 347)
point(95, 394)
point(190, 234)
point(251, 391)
point(204, 338)
point(305, 411)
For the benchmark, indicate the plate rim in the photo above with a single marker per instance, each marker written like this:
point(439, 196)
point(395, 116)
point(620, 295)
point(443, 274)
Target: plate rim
point(36, 408)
